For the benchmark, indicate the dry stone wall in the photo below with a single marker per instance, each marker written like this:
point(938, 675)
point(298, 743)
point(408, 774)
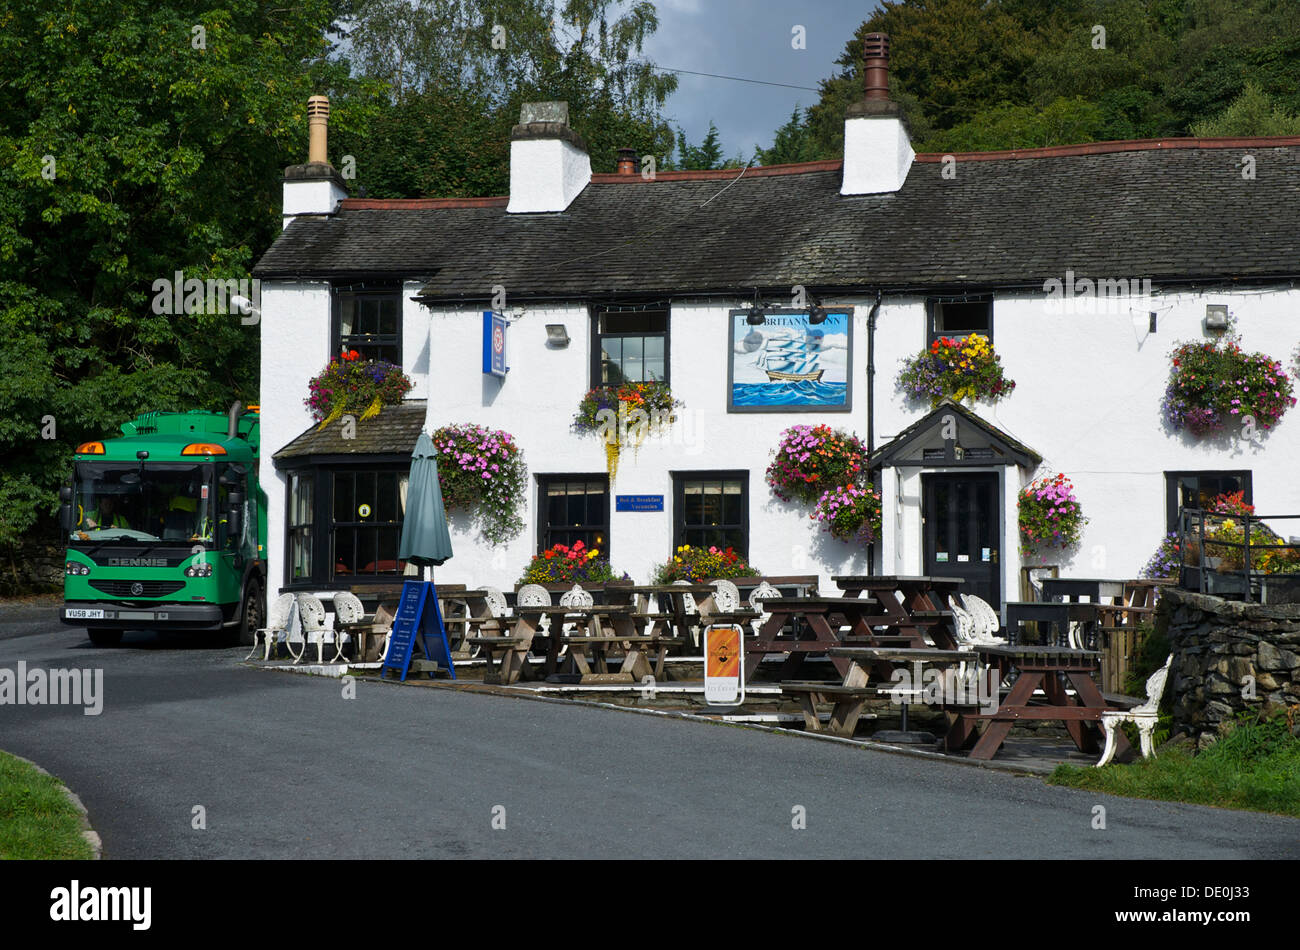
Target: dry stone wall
point(1229, 657)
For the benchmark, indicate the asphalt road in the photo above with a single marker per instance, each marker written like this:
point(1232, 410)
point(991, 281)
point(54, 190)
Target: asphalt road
point(284, 766)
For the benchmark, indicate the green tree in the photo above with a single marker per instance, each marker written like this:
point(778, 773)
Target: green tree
point(1254, 112)
point(793, 143)
point(471, 65)
point(136, 139)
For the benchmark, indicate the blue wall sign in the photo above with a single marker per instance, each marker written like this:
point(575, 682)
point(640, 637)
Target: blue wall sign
point(418, 617)
point(638, 502)
point(494, 344)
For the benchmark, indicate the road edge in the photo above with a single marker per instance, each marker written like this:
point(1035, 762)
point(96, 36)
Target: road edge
point(90, 835)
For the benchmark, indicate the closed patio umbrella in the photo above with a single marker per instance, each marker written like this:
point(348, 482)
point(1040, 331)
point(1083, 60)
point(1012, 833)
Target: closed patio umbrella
point(425, 539)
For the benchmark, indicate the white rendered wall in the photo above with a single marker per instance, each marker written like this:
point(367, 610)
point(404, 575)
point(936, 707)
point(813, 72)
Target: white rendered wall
point(877, 155)
point(546, 175)
point(538, 399)
point(295, 344)
point(1089, 385)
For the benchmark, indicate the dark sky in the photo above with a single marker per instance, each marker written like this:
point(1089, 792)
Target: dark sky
point(750, 39)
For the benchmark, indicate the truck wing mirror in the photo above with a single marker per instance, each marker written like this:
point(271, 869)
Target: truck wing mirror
point(66, 517)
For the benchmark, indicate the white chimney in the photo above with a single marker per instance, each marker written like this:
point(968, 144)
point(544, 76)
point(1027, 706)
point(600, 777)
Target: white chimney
point(549, 164)
point(316, 187)
point(877, 151)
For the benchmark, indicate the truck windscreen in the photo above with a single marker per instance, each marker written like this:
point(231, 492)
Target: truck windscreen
point(142, 502)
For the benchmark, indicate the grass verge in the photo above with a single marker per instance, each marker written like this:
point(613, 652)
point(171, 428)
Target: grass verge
point(1255, 767)
point(37, 821)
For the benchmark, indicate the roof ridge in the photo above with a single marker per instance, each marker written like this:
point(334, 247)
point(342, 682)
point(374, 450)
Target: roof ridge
point(1118, 145)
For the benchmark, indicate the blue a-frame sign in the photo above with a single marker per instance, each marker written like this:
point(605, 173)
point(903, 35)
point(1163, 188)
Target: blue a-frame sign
point(418, 617)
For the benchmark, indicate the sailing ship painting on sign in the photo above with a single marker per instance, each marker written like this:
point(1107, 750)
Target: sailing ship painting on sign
point(788, 363)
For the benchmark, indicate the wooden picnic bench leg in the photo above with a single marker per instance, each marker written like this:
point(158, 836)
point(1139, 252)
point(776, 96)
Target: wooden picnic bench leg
point(809, 709)
point(1056, 695)
point(998, 729)
point(845, 716)
point(635, 663)
point(768, 632)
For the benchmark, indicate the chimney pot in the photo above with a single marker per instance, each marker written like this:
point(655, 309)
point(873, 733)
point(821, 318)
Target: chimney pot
point(876, 71)
point(318, 120)
point(627, 161)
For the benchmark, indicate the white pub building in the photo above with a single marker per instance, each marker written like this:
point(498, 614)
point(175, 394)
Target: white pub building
point(1084, 265)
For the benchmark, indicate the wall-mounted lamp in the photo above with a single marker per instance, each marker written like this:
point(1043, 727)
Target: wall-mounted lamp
point(756, 317)
point(1216, 317)
point(557, 335)
point(816, 315)
point(1151, 327)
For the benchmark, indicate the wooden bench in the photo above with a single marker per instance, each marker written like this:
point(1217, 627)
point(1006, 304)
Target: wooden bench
point(846, 710)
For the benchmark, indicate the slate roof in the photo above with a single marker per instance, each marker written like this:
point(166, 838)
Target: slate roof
point(1168, 211)
point(393, 431)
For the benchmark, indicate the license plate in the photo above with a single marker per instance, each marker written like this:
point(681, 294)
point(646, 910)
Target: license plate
point(82, 613)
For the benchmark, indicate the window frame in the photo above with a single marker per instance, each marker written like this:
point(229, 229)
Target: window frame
point(543, 522)
point(1173, 481)
point(933, 311)
point(597, 336)
point(680, 479)
point(321, 472)
point(387, 290)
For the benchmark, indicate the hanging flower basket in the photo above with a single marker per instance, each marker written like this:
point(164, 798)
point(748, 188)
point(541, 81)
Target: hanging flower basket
point(966, 369)
point(482, 471)
point(850, 513)
point(1217, 386)
point(696, 565)
point(351, 384)
point(624, 416)
point(1050, 515)
point(810, 460)
point(562, 564)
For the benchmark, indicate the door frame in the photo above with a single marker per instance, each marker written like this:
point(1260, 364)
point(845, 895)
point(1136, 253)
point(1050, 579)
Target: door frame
point(997, 522)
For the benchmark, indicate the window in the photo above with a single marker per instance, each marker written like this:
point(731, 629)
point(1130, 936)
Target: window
point(711, 509)
point(366, 526)
point(368, 319)
point(1199, 489)
point(959, 317)
point(573, 508)
point(302, 490)
point(630, 347)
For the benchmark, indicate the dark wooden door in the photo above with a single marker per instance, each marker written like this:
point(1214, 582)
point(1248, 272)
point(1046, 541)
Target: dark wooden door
point(962, 526)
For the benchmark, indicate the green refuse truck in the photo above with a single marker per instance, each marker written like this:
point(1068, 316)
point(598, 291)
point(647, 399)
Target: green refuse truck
point(166, 528)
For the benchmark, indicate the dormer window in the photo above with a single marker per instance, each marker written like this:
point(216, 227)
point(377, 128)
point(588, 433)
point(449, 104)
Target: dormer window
point(368, 319)
point(959, 317)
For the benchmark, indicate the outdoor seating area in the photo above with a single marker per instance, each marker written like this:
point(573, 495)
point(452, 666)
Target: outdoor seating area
point(856, 662)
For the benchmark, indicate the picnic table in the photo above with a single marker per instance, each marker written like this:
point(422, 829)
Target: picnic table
point(922, 607)
point(1048, 668)
point(675, 619)
point(822, 617)
point(849, 696)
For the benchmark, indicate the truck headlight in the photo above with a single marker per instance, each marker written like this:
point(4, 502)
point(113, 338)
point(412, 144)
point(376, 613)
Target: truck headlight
point(76, 568)
point(199, 570)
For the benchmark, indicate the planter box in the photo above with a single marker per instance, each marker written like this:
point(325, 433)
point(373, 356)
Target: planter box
point(1225, 585)
point(1280, 589)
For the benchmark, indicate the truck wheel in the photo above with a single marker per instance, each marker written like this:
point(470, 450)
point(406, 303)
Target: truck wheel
point(105, 638)
point(253, 614)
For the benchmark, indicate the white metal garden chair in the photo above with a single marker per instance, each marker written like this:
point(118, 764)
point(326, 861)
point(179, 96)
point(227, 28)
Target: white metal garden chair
point(691, 608)
point(985, 618)
point(1144, 716)
point(535, 595)
point(312, 630)
point(347, 609)
point(764, 591)
point(277, 623)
